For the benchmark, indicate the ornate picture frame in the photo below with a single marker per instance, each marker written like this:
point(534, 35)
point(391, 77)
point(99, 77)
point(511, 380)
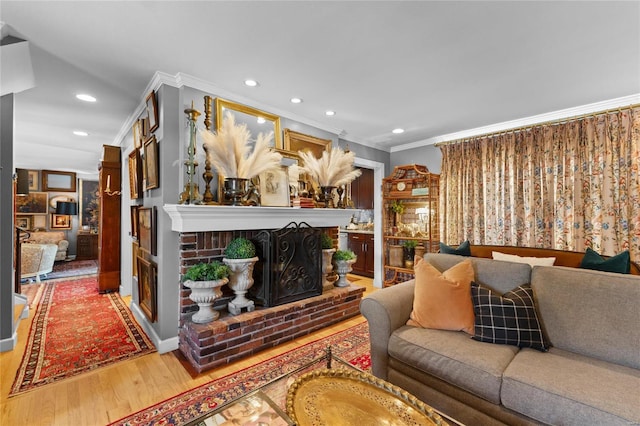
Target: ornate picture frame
point(24, 221)
point(152, 111)
point(135, 174)
point(137, 134)
point(296, 141)
point(147, 287)
point(54, 181)
point(34, 180)
point(151, 176)
point(134, 222)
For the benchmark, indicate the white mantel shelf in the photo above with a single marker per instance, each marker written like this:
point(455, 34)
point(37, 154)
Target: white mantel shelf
point(190, 218)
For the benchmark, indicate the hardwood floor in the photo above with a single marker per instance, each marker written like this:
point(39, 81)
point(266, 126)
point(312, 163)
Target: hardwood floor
point(110, 393)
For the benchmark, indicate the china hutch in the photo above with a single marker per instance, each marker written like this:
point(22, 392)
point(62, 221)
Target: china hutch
point(410, 197)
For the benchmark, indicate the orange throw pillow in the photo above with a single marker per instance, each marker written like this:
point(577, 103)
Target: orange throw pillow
point(442, 300)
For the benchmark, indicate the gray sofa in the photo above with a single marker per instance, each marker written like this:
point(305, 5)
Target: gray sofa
point(590, 376)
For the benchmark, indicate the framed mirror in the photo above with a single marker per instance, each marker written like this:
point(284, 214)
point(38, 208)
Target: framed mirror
point(58, 181)
point(257, 121)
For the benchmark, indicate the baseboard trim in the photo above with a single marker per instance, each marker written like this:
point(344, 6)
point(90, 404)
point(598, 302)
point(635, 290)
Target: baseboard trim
point(10, 343)
point(163, 346)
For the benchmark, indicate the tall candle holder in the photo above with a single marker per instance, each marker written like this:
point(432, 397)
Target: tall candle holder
point(207, 197)
point(191, 194)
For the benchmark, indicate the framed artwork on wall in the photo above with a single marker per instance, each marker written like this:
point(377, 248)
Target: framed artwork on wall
point(134, 258)
point(152, 111)
point(274, 188)
point(151, 179)
point(89, 204)
point(24, 221)
point(147, 287)
point(60, 221)
point(34, 180)
point(134, 221)
point(58, 181)
point(147, 229)
point(33, 203)
point(135, 174)
point(137, 134)
point(295, 141)
point(39, 222)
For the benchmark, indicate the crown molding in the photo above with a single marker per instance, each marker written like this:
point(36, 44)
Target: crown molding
point(527, 121)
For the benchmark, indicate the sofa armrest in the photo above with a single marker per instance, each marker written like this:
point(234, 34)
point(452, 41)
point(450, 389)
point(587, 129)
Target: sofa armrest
point(63, 245)
point(386, 310)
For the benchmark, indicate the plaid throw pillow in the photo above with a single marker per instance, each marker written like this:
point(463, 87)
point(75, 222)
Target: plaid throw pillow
point(509, 319)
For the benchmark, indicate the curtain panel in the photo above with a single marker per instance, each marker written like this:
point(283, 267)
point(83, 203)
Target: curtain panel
point(566, 186)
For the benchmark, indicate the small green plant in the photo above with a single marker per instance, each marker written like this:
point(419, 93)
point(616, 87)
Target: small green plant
point(344, 255)
point(326, 241)
point(397, 207)
point(410, 244)
point(207, 272)
point(240, 248)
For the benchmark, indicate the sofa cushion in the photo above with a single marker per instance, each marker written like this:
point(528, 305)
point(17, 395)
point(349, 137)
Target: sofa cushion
point(464, 249)
point(443, 299)
point(509, 319)
point(533, 261)
point(560, 387)
point(454, 357)
point(620, 263)
point(589, 312)
point(498, 275)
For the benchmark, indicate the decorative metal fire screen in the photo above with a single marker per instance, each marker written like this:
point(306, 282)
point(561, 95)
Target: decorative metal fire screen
point(290, 265)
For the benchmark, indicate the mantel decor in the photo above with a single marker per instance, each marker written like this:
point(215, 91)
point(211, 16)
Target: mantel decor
point(333, 169)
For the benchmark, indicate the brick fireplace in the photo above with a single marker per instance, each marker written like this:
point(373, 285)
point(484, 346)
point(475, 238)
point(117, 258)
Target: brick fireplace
point(230, 338)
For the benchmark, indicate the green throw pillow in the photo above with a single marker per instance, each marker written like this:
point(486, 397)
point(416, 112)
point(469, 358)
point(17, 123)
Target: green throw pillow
point(464, 249)
point(620, 263)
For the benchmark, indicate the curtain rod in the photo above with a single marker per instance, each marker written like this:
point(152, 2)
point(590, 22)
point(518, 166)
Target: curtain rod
point(544, 123)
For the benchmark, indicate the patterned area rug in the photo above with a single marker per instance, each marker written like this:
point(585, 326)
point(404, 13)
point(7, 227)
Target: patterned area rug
point(73, 268)
point(74, 330)
point(32, 291)
point(351, 345)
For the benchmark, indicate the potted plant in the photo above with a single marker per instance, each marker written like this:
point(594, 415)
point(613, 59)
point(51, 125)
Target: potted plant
point(205, 280)
point(397, 208)
point(409, 252)
point(343, 259)
point(240, 257)
point(229, 150)
point(328, 249)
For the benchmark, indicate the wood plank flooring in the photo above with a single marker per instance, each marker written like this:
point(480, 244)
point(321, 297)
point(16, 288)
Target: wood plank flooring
point(110, 393)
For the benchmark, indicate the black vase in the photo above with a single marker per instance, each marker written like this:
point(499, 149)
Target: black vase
point(409, 253)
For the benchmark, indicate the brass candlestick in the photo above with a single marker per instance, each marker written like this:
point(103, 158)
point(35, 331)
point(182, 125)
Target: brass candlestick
point(191, 195)
point(207, 198)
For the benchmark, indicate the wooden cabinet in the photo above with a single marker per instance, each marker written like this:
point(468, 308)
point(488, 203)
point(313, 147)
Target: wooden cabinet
point(362, 190)
point(362, 246)
point(87, 246)
point(109, 222)
point(413, 192)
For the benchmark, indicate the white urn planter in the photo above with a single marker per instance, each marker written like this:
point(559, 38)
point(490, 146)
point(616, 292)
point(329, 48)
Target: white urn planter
point(240, 281)
point(204, 293)
point(343, 267)
point(327, 268)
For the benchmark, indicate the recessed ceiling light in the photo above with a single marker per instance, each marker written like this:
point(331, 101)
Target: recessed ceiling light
point(80, 133)
point(85, 97)
point(397, 131)
point(330, 113)
point(296, 100)
point(250, 83)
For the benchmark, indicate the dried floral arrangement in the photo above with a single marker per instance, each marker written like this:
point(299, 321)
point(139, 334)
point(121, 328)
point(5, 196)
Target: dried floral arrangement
point(334, 168)
point(230, 153)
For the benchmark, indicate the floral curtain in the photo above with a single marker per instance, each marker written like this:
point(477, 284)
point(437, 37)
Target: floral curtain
point(565, 186)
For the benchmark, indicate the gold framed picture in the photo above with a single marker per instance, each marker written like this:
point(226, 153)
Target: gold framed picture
point(295, 141)
point(152, 111)
point(151, 178)
point(24, 221)
point(34, 180)
point(135, 174)
point(137, 134)
point(33, 203)
point(147, 287)
point(60, 221)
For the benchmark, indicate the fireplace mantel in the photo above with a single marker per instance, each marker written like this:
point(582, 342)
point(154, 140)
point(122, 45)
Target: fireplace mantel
point(190, 218)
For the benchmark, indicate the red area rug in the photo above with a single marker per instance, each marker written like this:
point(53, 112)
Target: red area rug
point(74, 330)
point(351, 345)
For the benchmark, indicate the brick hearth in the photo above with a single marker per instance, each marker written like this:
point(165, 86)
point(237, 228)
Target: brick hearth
point(230, 338)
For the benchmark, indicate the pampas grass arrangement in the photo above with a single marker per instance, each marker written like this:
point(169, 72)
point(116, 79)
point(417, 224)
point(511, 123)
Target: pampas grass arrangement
point(230, 153)
point(334, 168)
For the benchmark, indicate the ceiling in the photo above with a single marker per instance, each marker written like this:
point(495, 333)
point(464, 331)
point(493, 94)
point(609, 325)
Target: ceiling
point(432, 68)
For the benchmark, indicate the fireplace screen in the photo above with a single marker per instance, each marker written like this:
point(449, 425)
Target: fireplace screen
point(290, 265)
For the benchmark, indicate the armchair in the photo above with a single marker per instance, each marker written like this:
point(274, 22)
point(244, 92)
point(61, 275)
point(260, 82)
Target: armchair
point(36, 260)
point(54, 237)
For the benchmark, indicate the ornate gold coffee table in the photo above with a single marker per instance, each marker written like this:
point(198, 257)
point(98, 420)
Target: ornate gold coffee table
point(351, 397)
